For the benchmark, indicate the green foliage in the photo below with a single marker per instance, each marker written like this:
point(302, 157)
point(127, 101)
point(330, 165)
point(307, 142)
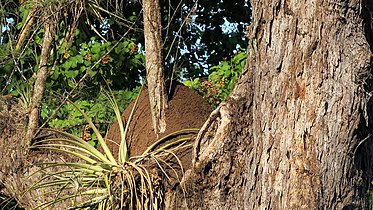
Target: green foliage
point(24, 10)
point(214, 24)
point(118, 64)
point(115, 63)
point(116, 68)
point(70, 119)
point(221, 80)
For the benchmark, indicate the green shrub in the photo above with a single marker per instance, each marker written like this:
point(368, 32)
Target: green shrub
point(221, 80)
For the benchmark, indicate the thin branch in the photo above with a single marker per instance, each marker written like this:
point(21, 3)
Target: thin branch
point(27, 26)
point(180, 28)
point(40, 80)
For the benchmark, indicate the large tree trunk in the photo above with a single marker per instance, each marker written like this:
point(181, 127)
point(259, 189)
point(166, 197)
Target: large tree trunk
point(154, 64)
point(295, 133)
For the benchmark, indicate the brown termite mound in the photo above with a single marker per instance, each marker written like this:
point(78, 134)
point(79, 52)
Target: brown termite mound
point(186, 109)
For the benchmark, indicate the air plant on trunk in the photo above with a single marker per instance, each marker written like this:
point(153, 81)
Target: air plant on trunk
point(100, 180)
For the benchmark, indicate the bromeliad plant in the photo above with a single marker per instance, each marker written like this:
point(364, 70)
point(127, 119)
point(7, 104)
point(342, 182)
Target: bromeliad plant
point(101, 181)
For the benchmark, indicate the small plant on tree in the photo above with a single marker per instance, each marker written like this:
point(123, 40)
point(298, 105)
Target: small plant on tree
point(99, 180)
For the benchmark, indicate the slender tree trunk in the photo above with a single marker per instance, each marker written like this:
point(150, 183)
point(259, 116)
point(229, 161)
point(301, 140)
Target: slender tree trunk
point(296, 131)
point(27, 27)
point(154, 64)
point(40, 79)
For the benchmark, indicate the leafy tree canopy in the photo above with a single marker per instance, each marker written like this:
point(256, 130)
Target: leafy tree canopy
point(100, 44)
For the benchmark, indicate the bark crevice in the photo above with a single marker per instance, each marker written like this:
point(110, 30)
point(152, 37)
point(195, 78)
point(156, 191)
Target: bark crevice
point(221, 163)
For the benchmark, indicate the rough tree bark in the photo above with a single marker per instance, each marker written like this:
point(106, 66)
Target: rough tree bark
point(154, 64)
point(296, 131)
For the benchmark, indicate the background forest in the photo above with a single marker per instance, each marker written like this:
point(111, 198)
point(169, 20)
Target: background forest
point(101, 45)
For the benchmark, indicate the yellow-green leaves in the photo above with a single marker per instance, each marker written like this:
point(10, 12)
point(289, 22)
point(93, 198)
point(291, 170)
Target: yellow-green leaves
point(95, 178)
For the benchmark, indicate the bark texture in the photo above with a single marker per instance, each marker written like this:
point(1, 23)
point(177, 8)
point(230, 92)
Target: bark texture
point(18, 172)
point(41, 77)
point(296, 131)
point(154, 64)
